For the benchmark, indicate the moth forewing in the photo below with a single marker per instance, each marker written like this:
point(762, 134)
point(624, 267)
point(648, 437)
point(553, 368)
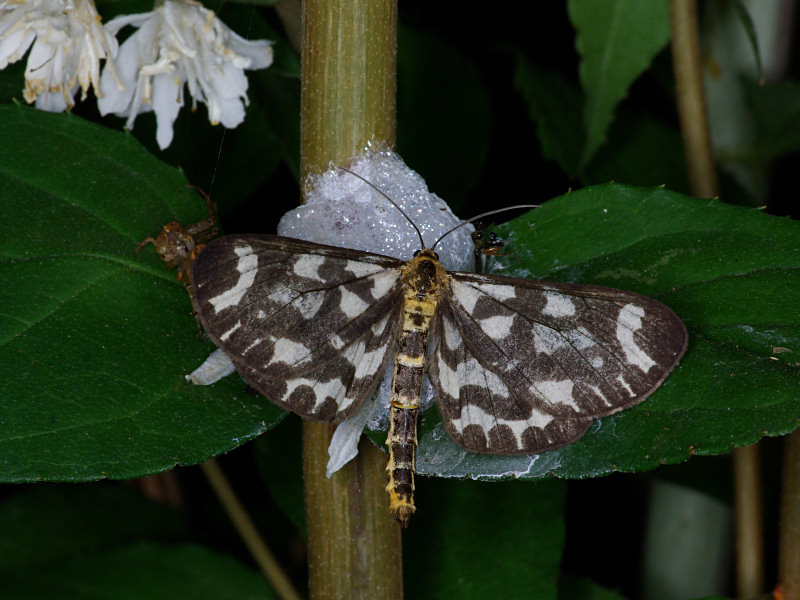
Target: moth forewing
point(309, 326)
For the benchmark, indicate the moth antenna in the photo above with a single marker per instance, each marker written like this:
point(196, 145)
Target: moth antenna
point(385, 195)
point(476, 217)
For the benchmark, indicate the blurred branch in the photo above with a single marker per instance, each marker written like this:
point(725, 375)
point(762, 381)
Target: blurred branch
point(248, 532)
point(789, 532)
point(687, 64)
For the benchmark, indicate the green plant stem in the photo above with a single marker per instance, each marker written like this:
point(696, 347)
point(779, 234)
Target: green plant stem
point(248, 532)
point(354, 546)
point(687, 65)
point(789, 542)
point(347, 100)
point(349, 79)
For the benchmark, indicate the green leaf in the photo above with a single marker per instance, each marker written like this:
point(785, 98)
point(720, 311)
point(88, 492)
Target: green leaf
point(88, 541)
point(453, 548)
point(554, 104)
point(95, 339)
point(49, 522)
point(750, 31)
point(776, 111)
point(640, 151)
point(617, 40)
point(144, 570)
point(729, 272)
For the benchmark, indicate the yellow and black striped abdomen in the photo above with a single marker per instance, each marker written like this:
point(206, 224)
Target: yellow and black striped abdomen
point(423, 280)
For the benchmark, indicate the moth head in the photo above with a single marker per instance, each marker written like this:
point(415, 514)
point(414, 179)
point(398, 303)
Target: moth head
point(427, 253)
point(424, 274)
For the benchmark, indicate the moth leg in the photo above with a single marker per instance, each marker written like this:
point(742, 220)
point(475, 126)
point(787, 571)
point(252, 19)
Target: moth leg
point(203, 231)
point(179, 246)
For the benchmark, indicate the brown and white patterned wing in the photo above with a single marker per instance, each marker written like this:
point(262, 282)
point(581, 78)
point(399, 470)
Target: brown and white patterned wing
point(307, 325)
point(524, 366)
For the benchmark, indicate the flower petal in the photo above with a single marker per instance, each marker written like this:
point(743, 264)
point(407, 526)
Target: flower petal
point(180, 44)
point(167, 100)
point(66, 43)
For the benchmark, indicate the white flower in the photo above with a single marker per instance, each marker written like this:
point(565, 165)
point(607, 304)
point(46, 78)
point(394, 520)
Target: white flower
point(68, 43)
point(178, 43)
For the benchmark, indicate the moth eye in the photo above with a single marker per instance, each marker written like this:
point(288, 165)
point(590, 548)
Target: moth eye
point(416, 252)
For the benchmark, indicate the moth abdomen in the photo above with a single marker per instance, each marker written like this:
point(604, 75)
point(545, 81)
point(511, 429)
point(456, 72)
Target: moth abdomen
point(423, 279)
point(402, 443)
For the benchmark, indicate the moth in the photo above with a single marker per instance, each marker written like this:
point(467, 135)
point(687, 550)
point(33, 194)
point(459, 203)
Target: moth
point(519, 366)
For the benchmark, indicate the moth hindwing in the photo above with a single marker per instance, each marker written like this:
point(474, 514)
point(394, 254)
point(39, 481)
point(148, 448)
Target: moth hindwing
point(519, 366)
